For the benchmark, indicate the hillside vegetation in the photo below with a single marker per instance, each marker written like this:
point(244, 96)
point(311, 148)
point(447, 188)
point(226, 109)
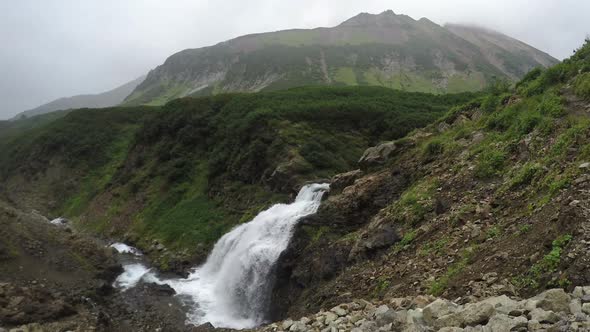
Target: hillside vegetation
point(491, 199)
point(181, 175)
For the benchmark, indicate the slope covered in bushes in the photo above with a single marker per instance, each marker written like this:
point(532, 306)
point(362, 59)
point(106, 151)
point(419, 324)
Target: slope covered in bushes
point(183, 174)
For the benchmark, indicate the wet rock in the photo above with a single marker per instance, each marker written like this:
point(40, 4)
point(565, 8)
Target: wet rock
point(160, 289)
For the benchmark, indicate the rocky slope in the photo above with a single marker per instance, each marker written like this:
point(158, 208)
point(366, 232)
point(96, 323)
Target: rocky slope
point(491, 200)
point(552, 310)
point(389, 50)
point(55, 279)
point(106, 99)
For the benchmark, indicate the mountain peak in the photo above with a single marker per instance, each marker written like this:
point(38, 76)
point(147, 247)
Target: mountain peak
point(384, 19)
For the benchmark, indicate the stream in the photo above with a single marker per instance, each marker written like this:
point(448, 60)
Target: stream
point(232, 288)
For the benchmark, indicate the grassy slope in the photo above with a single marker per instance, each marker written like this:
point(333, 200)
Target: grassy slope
point(185, 173)
point(494, 186)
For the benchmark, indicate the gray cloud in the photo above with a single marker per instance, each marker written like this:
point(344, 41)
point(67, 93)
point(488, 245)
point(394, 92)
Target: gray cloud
point(58, 48)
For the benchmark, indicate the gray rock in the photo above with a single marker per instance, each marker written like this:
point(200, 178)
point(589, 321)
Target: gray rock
point(339, 311)
point(556, 300)
point(534, 325)
point(543, 316)
point(298, 327)
point(436, 309)
point(575, 306)
point(330, 317)
point(586, 308)
point(287, 324)
point(381, 310)
point(341, 181)
point(503, 304)
point(386, 317)
point(578, 292)
point(584, 166)
point(451, 329)
point(477, 313)
point(450, 320)
point(377, 154)
point(503, 323)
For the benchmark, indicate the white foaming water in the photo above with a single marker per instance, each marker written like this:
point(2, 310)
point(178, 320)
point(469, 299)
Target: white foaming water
point(232, 289)
point(122, 248)
point(59, 221)
point(133, 273)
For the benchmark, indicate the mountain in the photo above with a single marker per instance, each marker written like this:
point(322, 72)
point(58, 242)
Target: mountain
point(106, 99)
point(387, 50)
point(466, 196)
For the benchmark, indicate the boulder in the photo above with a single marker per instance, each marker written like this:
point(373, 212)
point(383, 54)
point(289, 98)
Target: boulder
point(338, 310)
point(503, 323)
point(543, 316)
point(377, 154)
point(386, 317)
point(381, 153)
point(502, 304)
point(343, 180)
point(287, 324)
point(477, 313)
point(437, 309)
point(383, 236)
point(298, 327)
point(556, 300)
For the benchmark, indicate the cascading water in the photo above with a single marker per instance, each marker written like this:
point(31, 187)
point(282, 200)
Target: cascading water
point(232, 289)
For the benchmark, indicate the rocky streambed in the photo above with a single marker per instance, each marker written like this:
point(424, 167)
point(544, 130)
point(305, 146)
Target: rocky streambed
point(552, 310)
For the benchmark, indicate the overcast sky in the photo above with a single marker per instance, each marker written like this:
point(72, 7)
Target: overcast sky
point(58, 48)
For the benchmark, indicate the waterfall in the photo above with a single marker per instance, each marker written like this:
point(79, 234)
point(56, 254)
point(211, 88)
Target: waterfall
point(232, 289)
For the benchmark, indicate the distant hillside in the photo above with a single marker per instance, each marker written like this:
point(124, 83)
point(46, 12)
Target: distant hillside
point(510, 55)
point(106, 99)
point(389, 50)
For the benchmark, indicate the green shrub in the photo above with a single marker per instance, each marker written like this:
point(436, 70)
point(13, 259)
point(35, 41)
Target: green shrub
point(432, 149)
point(525, 175)
point(582, 85)
point(490, 163)
point(551, 104)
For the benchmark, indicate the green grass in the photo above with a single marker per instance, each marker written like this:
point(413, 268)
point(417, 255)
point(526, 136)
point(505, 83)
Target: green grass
point(582, 85)
point(439, 286)
point(548, 264)
point(346, 75)
point(415, 203)
point(490, 163)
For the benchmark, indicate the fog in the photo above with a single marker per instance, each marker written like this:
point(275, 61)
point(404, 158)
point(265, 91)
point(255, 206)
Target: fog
point(59, 48)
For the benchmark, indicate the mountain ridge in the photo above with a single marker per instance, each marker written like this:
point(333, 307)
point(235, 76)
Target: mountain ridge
point(108, 98)
point(384, 49)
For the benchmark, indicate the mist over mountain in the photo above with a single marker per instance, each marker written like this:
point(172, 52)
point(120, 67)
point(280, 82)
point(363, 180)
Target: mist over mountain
point(100, 100)
point(386, 49)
